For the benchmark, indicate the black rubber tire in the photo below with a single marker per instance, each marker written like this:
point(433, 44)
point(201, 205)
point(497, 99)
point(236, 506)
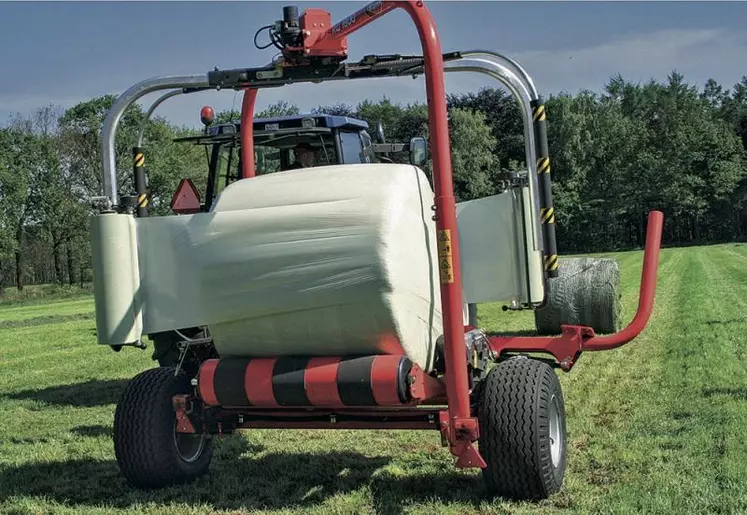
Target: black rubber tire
point(514, 409)
point(144, 441)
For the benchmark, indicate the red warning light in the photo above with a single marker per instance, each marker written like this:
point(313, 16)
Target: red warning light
point(207, 115)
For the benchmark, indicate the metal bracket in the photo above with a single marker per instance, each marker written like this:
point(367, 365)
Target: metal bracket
point(460, 437)
point(183, 408)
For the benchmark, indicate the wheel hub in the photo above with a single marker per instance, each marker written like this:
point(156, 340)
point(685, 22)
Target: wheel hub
point(188, 446)
point(556, 437)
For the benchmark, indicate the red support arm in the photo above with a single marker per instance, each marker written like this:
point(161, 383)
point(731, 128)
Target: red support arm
point(460, 426)
point(359, 19)
point(247, 133)
point(648, 289)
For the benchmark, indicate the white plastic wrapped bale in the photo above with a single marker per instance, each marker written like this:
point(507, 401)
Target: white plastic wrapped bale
point(328, 261)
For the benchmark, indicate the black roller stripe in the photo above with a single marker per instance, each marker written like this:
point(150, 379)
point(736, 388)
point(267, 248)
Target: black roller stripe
point(403, 369)
point(228, 382)
point(288, 381)
point(354, 381)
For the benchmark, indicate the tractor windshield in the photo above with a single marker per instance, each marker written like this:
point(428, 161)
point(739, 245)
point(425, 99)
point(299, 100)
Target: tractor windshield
point(272, 153)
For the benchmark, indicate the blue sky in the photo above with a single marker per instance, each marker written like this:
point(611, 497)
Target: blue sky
point(66, 52)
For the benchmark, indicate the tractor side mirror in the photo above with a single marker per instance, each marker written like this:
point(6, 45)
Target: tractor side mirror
point(418, 151)
point(380, 132)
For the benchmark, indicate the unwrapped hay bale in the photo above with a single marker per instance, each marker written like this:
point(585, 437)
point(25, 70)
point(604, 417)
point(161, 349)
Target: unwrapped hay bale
point(586, 292)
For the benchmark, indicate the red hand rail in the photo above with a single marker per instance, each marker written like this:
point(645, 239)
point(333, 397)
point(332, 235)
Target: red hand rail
point(647, 290)
point(568, 346)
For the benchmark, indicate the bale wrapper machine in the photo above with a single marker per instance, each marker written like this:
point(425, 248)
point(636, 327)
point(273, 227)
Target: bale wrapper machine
point(337, 297)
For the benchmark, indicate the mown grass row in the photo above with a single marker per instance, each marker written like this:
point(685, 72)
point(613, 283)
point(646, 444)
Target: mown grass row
point(654, 427)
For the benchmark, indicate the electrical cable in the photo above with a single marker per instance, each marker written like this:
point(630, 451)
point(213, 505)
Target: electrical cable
point(268, 45)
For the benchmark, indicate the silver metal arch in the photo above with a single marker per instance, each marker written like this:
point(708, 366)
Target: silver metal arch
point(509, 73)
point(111, 122)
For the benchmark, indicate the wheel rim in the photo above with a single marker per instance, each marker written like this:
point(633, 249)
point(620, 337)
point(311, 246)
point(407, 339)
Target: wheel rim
point(556, 436)
point(188, 446)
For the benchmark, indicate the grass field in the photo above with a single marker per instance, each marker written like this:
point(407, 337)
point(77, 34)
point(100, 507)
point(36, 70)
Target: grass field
point(658, 426)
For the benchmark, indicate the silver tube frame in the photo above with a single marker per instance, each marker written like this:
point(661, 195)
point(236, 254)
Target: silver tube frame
point(146, 118)
point(507, 71)
point(113, 117)
point(522, 93)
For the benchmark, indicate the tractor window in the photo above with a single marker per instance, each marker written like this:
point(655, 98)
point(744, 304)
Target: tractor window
point(325, 155)
point(351, 147)
point(266, 159)
point(368, 151)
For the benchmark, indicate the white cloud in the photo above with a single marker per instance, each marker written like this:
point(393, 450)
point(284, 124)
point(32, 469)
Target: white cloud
point(699, 54)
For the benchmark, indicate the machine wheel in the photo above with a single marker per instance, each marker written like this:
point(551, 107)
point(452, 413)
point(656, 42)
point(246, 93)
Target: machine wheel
point(149, 451)
point(586, 292)
point(522, 430)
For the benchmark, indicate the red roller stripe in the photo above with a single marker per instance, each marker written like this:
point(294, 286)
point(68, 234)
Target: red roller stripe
point(384, 380)
point(205, 384)
point(320, 382)
point(389, 344)
point(258, 382)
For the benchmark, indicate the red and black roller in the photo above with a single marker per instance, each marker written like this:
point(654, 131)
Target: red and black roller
point(380, 380)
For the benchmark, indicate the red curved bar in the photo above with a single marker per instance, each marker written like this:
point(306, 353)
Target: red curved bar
point(567, 347)
point(457, 384)
point(460, 426)
point(247, 133)
point(648, 290)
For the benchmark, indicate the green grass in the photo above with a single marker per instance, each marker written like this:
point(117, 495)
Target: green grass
point(40, 294)
point(658, 426)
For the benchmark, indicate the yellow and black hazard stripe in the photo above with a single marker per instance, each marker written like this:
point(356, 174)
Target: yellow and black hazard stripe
point(138, 162)
point(543, 165)
point(551, 263)
point(547, 215)
point(538, 113)
point(547, 212)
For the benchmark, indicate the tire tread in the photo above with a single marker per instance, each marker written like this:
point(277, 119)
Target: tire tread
point(513, 421)
point(141, 426)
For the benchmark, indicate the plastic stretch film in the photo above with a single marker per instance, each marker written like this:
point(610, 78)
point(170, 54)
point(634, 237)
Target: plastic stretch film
point(328, 261)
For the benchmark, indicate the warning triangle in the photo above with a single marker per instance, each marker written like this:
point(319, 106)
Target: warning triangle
point(444, 236)
point(445, 264)
point(186, 199)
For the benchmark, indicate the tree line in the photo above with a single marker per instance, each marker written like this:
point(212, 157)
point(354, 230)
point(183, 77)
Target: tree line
point(615, 154)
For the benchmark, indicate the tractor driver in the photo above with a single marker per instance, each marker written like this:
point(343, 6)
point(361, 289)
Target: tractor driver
point(304, 156)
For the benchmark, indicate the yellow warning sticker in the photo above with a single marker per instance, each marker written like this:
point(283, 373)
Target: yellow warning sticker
point(444, 243)
point(445, 265)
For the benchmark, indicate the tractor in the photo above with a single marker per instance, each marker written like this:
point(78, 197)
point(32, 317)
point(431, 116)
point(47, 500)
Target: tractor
point(341, 296)
point(333, 139)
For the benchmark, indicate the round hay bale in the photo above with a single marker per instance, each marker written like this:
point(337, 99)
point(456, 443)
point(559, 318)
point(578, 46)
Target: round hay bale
point(586, 292)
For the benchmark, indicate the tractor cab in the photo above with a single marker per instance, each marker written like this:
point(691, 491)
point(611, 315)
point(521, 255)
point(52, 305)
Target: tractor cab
point(333, 140)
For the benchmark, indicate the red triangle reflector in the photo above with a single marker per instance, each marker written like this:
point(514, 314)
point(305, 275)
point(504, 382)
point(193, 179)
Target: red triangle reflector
point(186, 199)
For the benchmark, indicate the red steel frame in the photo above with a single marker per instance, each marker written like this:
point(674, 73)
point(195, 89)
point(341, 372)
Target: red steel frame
point(456, 422)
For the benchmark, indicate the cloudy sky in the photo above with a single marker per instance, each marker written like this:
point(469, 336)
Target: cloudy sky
point(63, 53)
